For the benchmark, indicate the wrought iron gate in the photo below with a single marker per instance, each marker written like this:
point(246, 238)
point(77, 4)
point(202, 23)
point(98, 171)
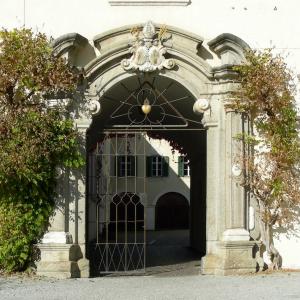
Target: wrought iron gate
point(118, 180)
point(120, 211)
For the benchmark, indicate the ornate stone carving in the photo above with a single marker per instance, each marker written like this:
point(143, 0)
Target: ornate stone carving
point(94, 107)
point(149, 2)
point(236, 170)
point(200, 106)
point(147, 52)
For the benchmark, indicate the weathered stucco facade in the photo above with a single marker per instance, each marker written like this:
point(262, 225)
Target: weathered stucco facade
point(203, 68)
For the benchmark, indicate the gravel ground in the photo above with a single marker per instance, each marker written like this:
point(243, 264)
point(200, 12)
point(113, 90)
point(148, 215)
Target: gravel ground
point(166, 285)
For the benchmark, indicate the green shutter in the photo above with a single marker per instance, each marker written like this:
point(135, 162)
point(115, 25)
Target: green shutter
point(149, 166)
point(180, 166)
point(165, 171)
point(132, 163)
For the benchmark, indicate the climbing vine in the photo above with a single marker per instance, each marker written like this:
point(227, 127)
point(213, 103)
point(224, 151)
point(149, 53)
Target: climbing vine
point(266, 95)
point(34, 141)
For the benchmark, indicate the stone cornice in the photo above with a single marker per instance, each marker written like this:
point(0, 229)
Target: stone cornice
point(149, 2)
point(225, 72)
point(228, 41)
point(231, 51)
point(125, 32)
point(68, 42)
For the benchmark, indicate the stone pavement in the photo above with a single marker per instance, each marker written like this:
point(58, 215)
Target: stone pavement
point(165, 286)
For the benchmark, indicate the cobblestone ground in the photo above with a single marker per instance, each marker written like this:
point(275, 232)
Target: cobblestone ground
point(164, 285)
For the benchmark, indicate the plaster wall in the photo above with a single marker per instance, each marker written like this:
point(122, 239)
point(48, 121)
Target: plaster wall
point(261, 24)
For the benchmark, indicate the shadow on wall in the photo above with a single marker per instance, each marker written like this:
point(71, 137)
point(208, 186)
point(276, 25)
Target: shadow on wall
point(157, 186)
point(283, 236)
point(292, 229)
point(70, 190)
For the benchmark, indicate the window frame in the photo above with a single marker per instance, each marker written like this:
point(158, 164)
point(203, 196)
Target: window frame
point(157, 166)
point(120, 169)
point(184, 169)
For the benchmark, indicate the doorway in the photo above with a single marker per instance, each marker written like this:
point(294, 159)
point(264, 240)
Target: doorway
point(132, 159)
point(172, 211)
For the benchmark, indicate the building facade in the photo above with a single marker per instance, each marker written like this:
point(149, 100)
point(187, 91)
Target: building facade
point(148, 79)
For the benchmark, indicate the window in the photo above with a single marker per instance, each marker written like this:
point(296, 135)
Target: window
point(183, 166)
point(157, 166)
point(126, 165)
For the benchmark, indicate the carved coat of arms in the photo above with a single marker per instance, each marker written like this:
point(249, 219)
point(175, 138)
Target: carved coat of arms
point(147, 52)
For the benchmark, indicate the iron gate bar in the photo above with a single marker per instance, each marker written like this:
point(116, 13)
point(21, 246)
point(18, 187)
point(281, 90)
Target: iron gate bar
point(125, 250)
point(147, 122)
point(156, 129)
point(121, 189)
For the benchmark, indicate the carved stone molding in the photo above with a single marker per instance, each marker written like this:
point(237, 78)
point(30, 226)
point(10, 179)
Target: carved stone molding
point(52, 103)
point(94, 107)
point(236, 170)
point(68, 42)
point(149, 2)
point(147, 52)
point(230, 48)
point(200, 106)
point(208, 120)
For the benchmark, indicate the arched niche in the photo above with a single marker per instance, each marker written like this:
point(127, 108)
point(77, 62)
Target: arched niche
point(172, 212)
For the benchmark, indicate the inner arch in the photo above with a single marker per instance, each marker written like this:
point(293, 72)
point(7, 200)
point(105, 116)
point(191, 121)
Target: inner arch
point(171, 105)
point(180, 128)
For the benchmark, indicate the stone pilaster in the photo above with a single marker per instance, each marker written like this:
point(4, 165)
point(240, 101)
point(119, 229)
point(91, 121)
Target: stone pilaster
point(229, 249)
point(235, 209)
point(78, 225)
point(214, 193)
point(62, 249)
point(236, 247)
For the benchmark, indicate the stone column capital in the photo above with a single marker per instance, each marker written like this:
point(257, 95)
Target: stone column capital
point(208, 120)
point(83, 124)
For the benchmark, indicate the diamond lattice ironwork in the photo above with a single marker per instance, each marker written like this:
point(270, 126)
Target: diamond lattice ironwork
point(120, 214)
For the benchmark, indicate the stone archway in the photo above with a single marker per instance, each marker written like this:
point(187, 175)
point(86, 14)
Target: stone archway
point(205, 70)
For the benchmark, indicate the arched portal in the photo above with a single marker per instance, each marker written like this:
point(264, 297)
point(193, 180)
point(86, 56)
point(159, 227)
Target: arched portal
point(181, 66)
point(172, 211)
point(131, 159)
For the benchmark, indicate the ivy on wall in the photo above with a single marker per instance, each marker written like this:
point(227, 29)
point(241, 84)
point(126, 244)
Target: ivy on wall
point(34, 141)
point(266, 96)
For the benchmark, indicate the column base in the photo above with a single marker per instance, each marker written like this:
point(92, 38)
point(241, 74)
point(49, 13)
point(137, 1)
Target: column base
point(57, 237)
point(232, 258)
point(62, 261)
point(236, 234)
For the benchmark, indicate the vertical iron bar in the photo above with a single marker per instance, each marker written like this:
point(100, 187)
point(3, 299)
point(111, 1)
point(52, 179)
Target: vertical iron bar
point(135, 163)
point(135, 183)
point(116, 194)
point(145, 165)
point(126, 192)
point(106, 235)
point(97, 223)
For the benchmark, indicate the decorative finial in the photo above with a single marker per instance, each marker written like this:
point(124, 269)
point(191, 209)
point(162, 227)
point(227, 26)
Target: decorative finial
point(149, 30)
